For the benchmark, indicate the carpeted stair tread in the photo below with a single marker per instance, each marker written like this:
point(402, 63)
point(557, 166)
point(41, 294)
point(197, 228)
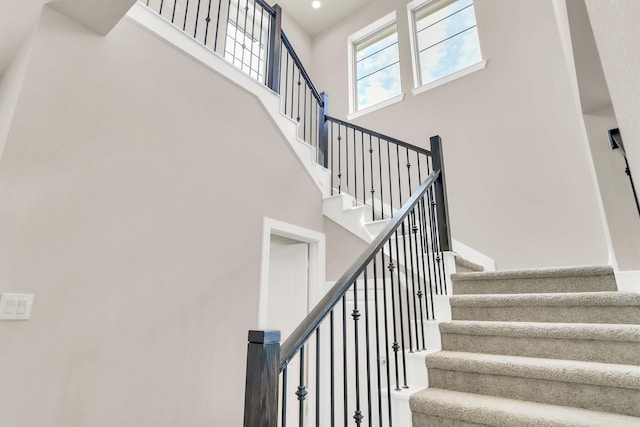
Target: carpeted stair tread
point(609, 343)
point(570, 279)
point(594, 373)
point(549, 299)
point(585, 331)
point(575, 307)
point(433, 407)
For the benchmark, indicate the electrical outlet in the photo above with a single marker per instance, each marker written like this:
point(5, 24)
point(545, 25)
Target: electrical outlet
point(15, 306)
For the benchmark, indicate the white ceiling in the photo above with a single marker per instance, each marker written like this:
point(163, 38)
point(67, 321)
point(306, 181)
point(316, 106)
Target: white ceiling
point(314, 21)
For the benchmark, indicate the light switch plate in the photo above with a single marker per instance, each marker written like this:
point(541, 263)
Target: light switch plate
point(15, 306)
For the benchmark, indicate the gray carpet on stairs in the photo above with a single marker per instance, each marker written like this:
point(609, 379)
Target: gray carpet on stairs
point(553, 347)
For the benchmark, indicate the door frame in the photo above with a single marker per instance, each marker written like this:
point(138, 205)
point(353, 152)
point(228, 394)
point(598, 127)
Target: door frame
point(317, 262)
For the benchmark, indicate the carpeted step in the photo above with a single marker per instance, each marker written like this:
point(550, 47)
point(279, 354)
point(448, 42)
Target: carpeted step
point(573, 279)
point(446, 408)
point(588, 385)
point(608, 343)
point(585, 307)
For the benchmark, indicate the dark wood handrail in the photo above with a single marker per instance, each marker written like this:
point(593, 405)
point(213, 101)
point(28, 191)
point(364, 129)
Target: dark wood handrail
point(298, 63)
point(266, 7)
point(304, 330)
point(379, 135)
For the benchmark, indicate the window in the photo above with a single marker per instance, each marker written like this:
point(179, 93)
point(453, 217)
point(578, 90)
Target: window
point(247, 36)
point(444, 38)
point(374, 65)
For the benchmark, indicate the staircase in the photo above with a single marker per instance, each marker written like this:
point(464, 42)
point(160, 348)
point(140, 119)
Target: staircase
point(557, 347)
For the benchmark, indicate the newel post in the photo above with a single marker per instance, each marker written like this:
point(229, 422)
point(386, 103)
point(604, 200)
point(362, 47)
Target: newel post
point(323, 131)
point(442, 209)
point(261, 389)
point(274, 50)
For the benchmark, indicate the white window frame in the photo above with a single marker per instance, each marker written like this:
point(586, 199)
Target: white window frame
point(352, 41)
point(418, 87)
point(258, 72)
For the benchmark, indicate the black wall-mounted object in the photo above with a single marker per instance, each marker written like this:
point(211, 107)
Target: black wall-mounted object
point(615, 140)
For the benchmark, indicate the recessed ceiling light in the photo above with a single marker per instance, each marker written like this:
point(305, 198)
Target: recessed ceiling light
point(316, 4)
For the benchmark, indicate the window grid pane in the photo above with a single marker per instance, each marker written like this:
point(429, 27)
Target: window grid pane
point(377, 62)
point(447, 39)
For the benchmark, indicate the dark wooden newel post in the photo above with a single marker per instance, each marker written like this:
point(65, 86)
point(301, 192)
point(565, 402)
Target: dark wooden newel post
point(261, 389)
point(274, 50)
point(442, 209)
point(323, 132)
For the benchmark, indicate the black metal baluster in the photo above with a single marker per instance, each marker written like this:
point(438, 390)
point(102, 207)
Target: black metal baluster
point(426, 231)
point(373, 190)
point(293, 73)
point(420, 275)
point(344, 360)
point(226, 30)
point(346, 146)
point(376, 313)
point(244, 36)
point(161, 3)
point(368, 345)
point(422, 252)
point(286, 85)
point(339, 161)
point(400, 201)
point(318, 377)
point(173, 13)
point(302, 390)
point(413, 271)
point(407, 279)
point(195, 30)
point(432, 232)
point(400, 312)
point(186, 13)
point(381, 187)
point(260, 60)
point(355, 168)
point(299, 83)
point(390, 180)
point(355, 314)
point(215, 38)
point(207, 20)
point(415, 276)
point(253, 29)
point(386, 331)
point(332, 369)
point(284, 397)
point(235, 35)
point(304, 115)
point(395, 345)
point(331, 154)
point(364, 181)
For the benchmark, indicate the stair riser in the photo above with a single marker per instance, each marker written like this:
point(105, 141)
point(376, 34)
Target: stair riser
point(622, 352)
point(535, 285)
point(594, 397)
point(424, 420)
point(555, 314)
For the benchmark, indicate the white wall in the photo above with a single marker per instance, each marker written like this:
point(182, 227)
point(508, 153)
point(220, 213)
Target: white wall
point(617, 34)
point(132, 193)
point(519, 184)
point(10, 85)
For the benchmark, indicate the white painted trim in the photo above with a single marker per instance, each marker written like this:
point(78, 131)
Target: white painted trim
point(451, 77)
point(628, 281)
point(317, 262)
point(375, 107)
point(352, 40)
point(473, 255)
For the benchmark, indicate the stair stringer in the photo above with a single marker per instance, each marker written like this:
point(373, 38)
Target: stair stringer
point(270, 101)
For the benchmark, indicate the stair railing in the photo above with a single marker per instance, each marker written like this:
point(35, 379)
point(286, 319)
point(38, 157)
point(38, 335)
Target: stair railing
point(349, 355)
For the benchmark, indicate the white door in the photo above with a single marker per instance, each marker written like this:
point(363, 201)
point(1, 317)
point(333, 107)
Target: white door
point(288, 287)
point(288, 304)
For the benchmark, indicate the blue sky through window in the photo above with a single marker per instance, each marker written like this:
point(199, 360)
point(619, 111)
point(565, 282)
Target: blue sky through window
point(447, 40)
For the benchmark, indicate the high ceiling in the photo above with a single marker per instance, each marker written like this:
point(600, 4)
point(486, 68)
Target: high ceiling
point(314, 21)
